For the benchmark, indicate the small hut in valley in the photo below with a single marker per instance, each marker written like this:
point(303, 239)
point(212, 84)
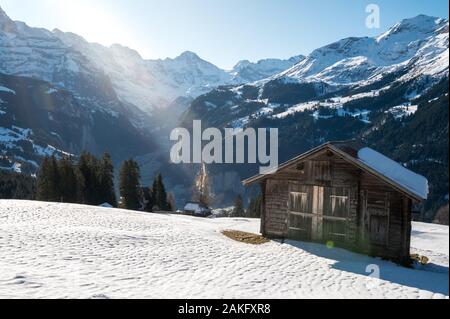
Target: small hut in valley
point(345, 193)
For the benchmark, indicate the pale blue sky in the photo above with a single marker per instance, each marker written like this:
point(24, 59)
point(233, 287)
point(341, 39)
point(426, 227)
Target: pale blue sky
point(220, 31)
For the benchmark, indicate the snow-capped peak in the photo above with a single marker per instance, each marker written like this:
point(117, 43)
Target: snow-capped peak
point(296, 59)
point(6, 24)
point(60, 57)
point(3, 14)
point(421, 25)
point(188, 56)
point(241, 65)
point(246, 71)
point(354, 60)
point(68, 37)
point(187, 75)
point(125, 52)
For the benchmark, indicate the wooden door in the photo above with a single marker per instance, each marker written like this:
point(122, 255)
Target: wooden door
point(300, 216)
point(336, 214)
point(318, 213)
point(378, 214)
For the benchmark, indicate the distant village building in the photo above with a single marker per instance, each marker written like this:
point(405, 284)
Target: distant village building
point(346, 194)
point(197, 209)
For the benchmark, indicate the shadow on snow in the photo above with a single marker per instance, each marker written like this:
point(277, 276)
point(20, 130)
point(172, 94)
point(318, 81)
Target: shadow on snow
point(433, 278)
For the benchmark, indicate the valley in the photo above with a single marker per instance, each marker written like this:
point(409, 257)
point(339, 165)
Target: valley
point(60, 94)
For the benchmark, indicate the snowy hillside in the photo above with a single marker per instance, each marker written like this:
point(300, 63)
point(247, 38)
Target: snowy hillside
point(38, 119)
point(404, 62)
point(64, 251)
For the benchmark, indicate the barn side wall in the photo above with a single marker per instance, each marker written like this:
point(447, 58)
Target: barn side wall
point(276, 209)
point(399, 218)
point(326, 170)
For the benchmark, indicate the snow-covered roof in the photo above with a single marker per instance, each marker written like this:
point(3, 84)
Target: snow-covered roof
point(415, 183)
point(194, 207)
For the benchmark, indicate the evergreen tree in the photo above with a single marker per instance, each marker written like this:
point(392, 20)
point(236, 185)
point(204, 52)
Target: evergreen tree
point(69, 181)
point(80, 185)
point(48, 181)
point(130, 189)
point(91, 182)
point(87, 174)
point(155, 204)
point(254, 209)
point(148, 202)
point(160, 194)
point(17, 186)
point(54, 181)
point(238, 210)
point(90, 168)
point(106, 181)
point(43, 184)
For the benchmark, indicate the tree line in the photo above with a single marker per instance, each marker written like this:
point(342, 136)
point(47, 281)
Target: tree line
point(90, 180)
point(135, 197)
point(17, 186)
point(253, 210)
point(87, 181)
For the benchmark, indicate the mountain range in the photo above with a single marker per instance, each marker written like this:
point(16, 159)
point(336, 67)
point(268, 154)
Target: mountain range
point(60, 93)
point(115, 82)
point(414, 51)
point(63, 58)
point(389, 91)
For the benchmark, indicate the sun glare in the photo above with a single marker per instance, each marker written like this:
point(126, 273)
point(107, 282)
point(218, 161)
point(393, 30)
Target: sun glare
point(95, 23)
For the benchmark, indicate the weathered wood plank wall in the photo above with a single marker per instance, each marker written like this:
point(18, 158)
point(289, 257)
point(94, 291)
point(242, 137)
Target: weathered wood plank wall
point(379, 217)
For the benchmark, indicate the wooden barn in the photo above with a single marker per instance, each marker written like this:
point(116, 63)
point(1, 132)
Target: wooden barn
point(346, 194)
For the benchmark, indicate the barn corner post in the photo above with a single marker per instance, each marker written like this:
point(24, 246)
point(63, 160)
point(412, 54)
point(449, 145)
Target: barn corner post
point(407, 231)
point(361, 232)
point(263, 185)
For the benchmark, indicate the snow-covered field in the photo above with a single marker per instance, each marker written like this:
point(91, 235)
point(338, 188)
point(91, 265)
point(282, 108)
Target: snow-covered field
point(70, 251)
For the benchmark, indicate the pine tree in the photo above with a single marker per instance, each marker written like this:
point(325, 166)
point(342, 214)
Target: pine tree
point(85, 166)
point(254, 209)
point(80, 185)
point(17, 186)
point(160, 194)
point(106, 181)
point(90, 182)
point(155, 204)
point(238, 210)
point(69, 181)
point(130, 189)
point(54, 181)
point(148, 201)
point(91, 169)
point(43, 184)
